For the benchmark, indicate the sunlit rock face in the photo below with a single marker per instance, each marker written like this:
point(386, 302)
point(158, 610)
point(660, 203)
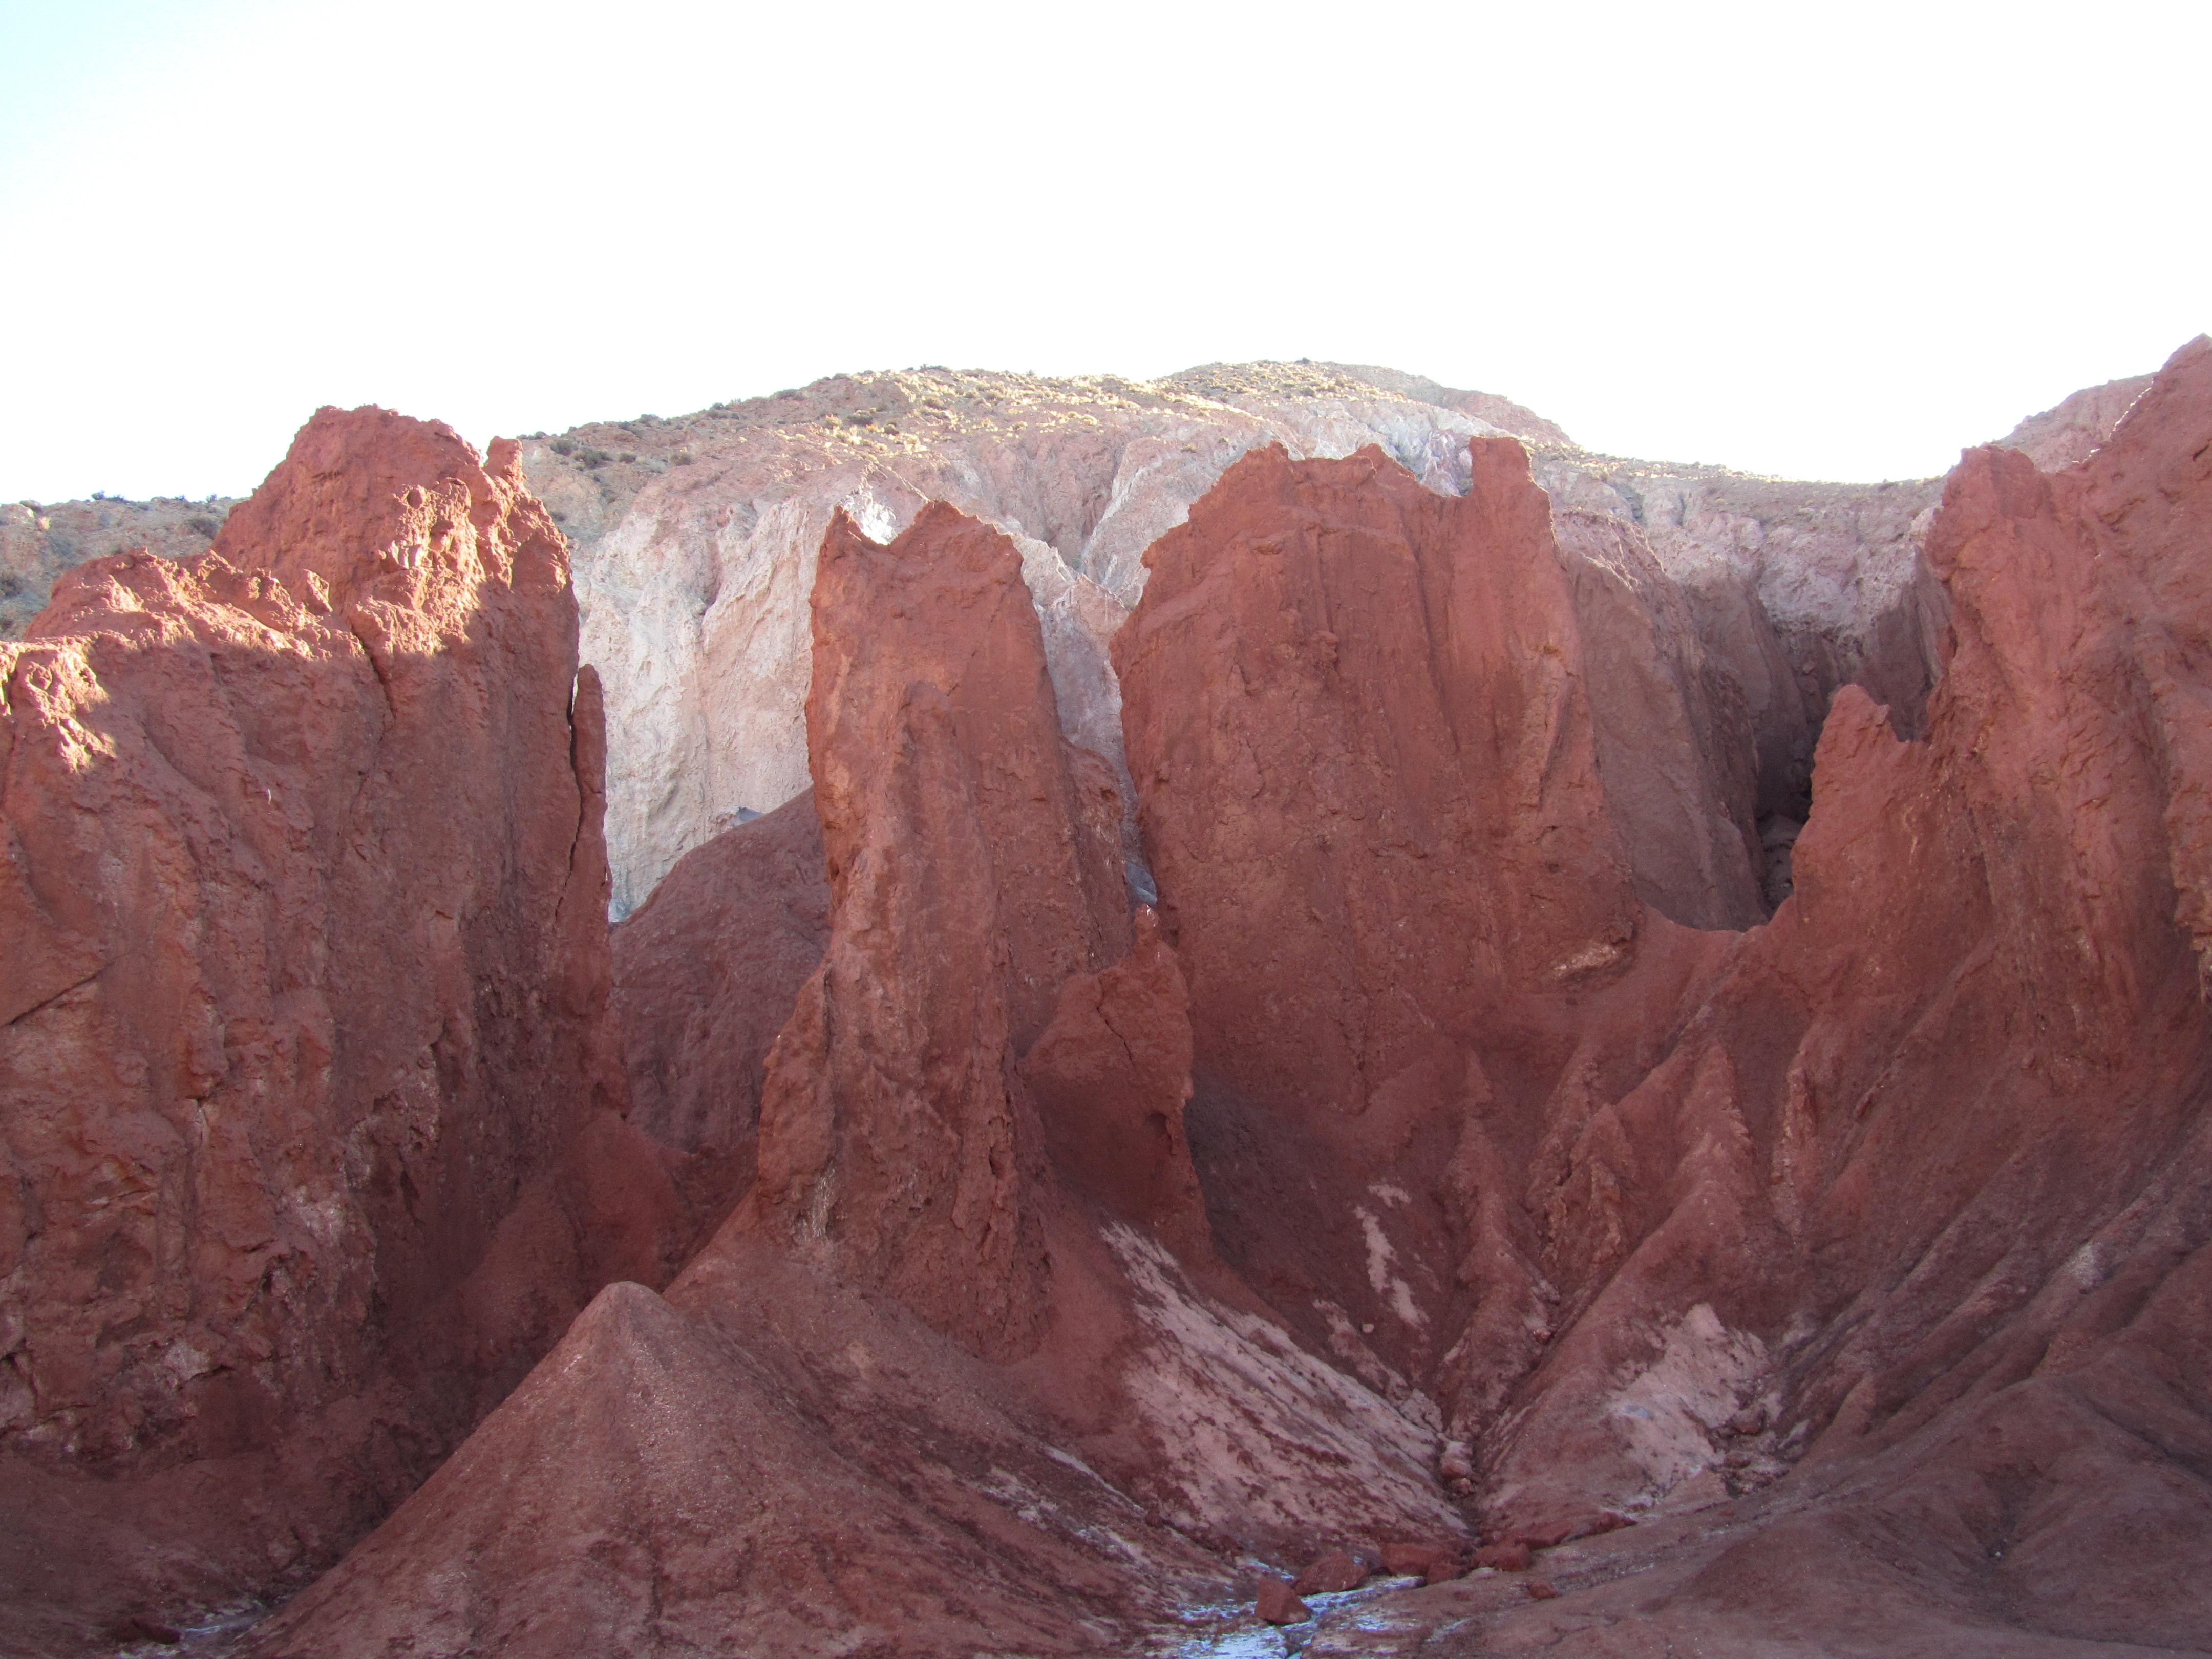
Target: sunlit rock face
point(309, 1093)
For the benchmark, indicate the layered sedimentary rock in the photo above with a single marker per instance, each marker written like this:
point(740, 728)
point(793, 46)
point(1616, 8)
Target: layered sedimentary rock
point(310, 1095)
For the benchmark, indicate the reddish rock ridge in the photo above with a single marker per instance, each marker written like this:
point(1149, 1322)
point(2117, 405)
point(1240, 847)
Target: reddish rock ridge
point(974, 865)
point(1928, 1169)
point(308, 1086)
point(1972, 1047)
point(1905, 1190)
point(1393, 843)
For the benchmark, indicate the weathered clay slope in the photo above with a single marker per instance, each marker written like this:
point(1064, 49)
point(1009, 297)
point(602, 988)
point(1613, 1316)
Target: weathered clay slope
point(307, 1082)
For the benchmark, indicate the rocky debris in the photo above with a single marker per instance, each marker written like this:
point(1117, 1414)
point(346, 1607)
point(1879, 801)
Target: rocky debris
point(1538, 1590)
point(1328, 1574)
point(1432, 1564)
point(1280, 1604)
point(1512, 1556)
point(705, 975)
point(310, 1095)
point(39, 543)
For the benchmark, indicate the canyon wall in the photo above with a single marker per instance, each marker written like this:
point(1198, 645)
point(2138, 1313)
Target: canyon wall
point(1903, 1192)
point(311, 1098)
point(1459, 1145)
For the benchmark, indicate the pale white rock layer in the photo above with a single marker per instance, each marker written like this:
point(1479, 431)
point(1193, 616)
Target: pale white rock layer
point(695, 542)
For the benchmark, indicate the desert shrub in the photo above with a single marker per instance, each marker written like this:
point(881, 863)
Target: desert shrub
point(200, 525)
point(564, 446)
point(682, 458)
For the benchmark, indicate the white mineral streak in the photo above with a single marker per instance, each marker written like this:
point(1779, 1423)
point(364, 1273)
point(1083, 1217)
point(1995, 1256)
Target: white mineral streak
point(1670, 1413)
point(1251, 1429)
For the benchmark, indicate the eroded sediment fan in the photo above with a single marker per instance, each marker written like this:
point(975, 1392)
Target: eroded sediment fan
point(309, 1091)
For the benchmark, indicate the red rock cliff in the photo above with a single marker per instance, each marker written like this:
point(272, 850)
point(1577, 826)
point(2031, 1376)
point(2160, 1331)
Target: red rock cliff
point(896, 1135)
point(306, 999)
point(1373, 789)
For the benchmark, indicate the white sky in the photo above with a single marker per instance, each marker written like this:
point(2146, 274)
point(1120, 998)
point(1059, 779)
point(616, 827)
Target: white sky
point(1831, 241)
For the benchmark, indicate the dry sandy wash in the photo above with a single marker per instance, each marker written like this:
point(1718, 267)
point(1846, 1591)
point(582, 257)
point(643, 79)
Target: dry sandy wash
point(1275, 975)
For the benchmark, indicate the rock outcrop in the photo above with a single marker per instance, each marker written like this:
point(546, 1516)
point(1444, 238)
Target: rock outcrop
point(974, 864)
point(1904, 1192)
point(1460, 1144)
point(1971, 1049)
point(310, 1095)
point(2074, 429)
point(696, 537)
point(1393, 854)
